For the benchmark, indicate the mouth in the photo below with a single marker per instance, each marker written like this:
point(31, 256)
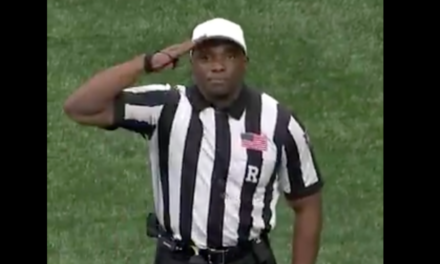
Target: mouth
point(217, 80)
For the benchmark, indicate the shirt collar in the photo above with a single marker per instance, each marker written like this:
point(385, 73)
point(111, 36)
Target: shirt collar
point(235, 110)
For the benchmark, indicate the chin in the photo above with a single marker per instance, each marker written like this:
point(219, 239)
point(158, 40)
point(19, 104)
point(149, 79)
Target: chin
point(219, 92)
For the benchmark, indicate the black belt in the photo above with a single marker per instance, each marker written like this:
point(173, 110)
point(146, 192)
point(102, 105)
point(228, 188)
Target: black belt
point(255, 249)
point(220, 256)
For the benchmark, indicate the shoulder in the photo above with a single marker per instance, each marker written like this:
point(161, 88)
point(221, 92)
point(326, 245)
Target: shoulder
point(156, 87)
point(167, 90)
point(257, 96)
point(270, 101)
point(148, 88)
point(284, 113)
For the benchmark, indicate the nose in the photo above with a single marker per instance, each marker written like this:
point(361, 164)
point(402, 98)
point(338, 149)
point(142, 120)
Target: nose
point(217, 66)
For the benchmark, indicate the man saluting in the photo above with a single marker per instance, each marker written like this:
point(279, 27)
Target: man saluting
point(220, 152)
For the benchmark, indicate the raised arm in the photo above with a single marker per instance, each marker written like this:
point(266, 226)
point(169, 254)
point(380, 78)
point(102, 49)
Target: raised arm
point(93, 103)
point(301, 183)
point(102, 101)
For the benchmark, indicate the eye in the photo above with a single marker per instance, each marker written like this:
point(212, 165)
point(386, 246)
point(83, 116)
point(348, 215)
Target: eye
point(203, 57)
point(231, 56)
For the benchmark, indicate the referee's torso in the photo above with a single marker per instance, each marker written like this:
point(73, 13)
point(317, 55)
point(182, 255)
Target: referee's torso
point(216, 174)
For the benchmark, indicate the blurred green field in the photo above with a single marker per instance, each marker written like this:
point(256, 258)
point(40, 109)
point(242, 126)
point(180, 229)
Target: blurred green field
point(323, 58)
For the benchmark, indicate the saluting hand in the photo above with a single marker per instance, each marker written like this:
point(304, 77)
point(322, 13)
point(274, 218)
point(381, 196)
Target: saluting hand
point(168, 57)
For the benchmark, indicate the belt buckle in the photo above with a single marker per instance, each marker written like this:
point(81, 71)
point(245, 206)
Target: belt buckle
point(219, 255)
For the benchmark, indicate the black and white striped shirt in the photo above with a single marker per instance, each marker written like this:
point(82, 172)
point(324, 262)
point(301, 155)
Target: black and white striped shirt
point(217, 175)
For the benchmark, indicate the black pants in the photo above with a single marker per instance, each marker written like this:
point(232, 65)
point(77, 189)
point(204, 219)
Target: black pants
point(164, 256)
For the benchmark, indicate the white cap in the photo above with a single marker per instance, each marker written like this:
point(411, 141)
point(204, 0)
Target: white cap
point(220, 28)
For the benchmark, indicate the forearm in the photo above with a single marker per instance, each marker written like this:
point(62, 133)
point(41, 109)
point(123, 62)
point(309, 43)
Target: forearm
point(306, 237)
point(98, 92)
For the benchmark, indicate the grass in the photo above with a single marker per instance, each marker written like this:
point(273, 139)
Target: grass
point(323, 58)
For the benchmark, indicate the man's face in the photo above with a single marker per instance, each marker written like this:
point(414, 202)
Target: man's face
point(218, 67)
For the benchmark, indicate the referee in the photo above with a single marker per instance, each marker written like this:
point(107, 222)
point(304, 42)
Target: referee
point(221, 152)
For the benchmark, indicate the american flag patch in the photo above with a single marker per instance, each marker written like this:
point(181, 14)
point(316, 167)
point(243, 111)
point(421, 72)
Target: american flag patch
point(254, 141)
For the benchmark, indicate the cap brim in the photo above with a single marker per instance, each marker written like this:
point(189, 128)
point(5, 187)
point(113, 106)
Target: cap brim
point(220, 37)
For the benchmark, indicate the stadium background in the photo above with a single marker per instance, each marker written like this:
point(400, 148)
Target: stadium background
point(324, 58)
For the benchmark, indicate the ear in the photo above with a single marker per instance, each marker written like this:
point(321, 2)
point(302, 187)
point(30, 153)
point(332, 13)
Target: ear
point(245, 62)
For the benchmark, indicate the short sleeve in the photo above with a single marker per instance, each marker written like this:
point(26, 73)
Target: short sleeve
point(298, 174)
point(138, 109)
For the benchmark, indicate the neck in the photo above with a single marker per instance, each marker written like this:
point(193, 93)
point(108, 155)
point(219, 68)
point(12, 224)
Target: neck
point(224, 101)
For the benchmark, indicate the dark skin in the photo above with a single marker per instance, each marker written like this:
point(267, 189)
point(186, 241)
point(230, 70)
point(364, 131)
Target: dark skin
point(92, 103)
point(218, 67)
point(222, 59)
point(307, 228)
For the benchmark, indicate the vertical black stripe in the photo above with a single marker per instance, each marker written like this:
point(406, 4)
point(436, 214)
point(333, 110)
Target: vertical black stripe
point(255, 159)
point(318, 170)
point(293, 163)
point(189, 172)
point(219, 179)
point(282, 122)
point(164, 130)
